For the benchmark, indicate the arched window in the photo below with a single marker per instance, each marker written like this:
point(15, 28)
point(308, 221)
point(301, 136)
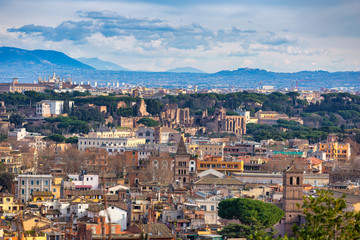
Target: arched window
point(164, 164)
point(156, 164)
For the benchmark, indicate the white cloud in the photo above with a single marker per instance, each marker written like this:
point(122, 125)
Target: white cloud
point(157, 35)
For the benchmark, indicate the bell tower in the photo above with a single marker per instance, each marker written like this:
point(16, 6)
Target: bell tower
point(181, 168)
point(292, 196)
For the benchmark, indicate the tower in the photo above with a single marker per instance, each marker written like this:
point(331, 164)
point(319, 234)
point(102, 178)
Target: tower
point(293, 196)
point(181, 168)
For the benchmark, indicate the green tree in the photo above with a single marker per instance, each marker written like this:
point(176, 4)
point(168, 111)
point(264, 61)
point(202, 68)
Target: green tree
point(6, 180)
point(16, 119)
point(56, 138)
point(293, 96)
point(149, 122)
point(31, 95)
point(72, 140)
point(328, 218)
point(254, 215)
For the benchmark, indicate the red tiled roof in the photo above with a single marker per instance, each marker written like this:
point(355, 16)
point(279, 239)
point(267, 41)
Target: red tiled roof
point(315, 161)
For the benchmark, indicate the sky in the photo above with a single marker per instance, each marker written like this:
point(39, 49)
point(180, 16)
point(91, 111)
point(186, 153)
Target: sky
point(275, 35)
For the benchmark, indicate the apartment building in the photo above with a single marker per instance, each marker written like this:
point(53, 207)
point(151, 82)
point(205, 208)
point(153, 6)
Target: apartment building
point(11, 160)
point(340, 152)
point(218, 164)
point(112, 140)
point(46, 108)
point(27, 184)
point(208, 148)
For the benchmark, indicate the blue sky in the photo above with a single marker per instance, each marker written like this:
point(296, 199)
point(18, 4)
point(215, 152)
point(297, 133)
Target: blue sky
point(210, 35)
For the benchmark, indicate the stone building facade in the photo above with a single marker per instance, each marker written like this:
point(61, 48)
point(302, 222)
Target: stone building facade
point(171, 116)
point(292, 197)
point(181, 167)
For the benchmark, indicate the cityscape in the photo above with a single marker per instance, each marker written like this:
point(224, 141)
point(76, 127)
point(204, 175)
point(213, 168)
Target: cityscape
point(171, 120)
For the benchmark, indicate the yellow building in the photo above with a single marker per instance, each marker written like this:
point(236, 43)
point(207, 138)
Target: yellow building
point(212, 149)
point(88, 195)
point(334, 150)
point(11, 160)
point(220, 165)
point(138, 210)
point(31, 222)
point(56, 187)
point(266, 114)
point(13, 236)
point(42, 196)
point(8, 205)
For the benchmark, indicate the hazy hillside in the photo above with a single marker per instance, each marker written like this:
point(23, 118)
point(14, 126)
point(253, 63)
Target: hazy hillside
point(20, 58)
point(102, 65)
point(29, 65)
point(185, 70)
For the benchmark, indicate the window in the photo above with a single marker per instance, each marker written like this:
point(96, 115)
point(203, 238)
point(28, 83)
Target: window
point(22, 191)
point(54, 189)
point(212, 208)
point(46, 182)
point(22, 182)
point(32, 182)
point(37, 182)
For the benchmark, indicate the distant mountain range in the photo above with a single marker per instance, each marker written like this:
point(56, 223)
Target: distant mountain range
point(185, 70)
point(102, 65)
point(20, 58)
point(29, 65)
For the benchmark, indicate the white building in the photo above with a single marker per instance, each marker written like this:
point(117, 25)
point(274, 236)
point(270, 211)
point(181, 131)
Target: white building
point(29, 183)
point(17, 134)
point(246, 114)
point(85, 181)
point(115, 190)
point(147, 133)
point(209, 206)
point(116, 214)
point(51, 107)
point(111, 140)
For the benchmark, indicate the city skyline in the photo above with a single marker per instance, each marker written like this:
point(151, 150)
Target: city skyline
point(211, 36)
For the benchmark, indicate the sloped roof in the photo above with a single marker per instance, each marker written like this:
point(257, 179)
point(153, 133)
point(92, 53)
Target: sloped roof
point(219, 181)
point(293, 169)
point(100, 207)
point(156, 230)
point(211, 172)
point(315, 161)
point(42, 193)
point(181, 150)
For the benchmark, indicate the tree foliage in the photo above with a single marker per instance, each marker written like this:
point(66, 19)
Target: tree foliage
point(250, 212)
point(328, 218)
point(6, 180)
point(68, 125)
point(149, 122)
point(16, 119)
point(88, 115)
point(56, 138)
